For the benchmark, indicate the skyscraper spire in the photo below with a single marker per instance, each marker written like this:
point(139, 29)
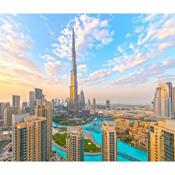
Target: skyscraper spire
point(73, 51)
point(74, 84)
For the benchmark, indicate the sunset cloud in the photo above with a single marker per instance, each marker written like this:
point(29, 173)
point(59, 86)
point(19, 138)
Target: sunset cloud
point(16, 65)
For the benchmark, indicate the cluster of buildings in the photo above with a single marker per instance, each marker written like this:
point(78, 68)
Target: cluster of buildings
point(161, 136)
point(32, 134)
point(75, 143)
point(63, 105)
point(156, 135)
point(92, 105)
point(133, 132)
point(31, 124)
point(75, 135)
point(7, 110)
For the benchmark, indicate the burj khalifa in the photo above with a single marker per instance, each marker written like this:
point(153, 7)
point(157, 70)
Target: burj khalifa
point(73, 84)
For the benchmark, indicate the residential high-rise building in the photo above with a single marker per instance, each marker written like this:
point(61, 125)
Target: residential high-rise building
point(173, 102)
point(161, 141)
point(82, 100)
point(38, 96)
point(44, 100)
point(66, 104)
point(7, 115)
point(94, 106)
point(16, 102)
point(54, 102)
point(31, 99)
point(163, 101)
point(89, 104)
point(73, 78)
point(1, 113)
point(24, 106)
point(109, 139)
point(44, 110)
point(108, 104)
point(29, 138)
point(75, 144)
point(78, 102)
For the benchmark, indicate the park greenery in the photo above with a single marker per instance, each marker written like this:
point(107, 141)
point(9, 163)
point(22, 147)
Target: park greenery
point(89, 146)
point(60, 139)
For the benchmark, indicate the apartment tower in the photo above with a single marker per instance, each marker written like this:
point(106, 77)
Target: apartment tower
point(29, 138)
point(75, 144)
point(161, 141)
point(44, 110)
point(109, 139)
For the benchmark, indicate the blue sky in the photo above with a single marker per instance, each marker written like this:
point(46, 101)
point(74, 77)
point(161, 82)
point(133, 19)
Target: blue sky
point(120, 57)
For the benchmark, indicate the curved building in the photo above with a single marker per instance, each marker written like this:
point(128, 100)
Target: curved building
point(163, 101)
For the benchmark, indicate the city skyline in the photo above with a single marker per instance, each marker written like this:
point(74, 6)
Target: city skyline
point(126, 53)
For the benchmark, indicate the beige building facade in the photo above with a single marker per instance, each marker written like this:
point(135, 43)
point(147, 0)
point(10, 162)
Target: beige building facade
point(161, 141)
point(75, 144)
point(109, 139)
point(29, 138)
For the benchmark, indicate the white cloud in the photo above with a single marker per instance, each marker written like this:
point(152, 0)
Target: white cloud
point(156, 33)
point(82, 68)
point(128, 35)
point(43, 17)
point(98, 76)
point(120, 49)
point(143, 75)
point(46, 22)
point(90, 32)
point(16, 65)
point(52, 67)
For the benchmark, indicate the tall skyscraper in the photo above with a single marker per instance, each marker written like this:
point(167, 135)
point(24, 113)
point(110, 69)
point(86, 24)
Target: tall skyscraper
point(89, 104)
point(82, 100)
point(31, 99)
point(16, 102)
point(74, 84)
point(29, 138)
point(108, 104)
point(163, 101)
point(7, 115)
point(24, 106)
point(109, 139)
point(161, 141)
point(1, 113)
point(173, 102)
point(94, 106)
point(75, 144)
point(44, 110)
point(78, 102)
point(38, 96)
